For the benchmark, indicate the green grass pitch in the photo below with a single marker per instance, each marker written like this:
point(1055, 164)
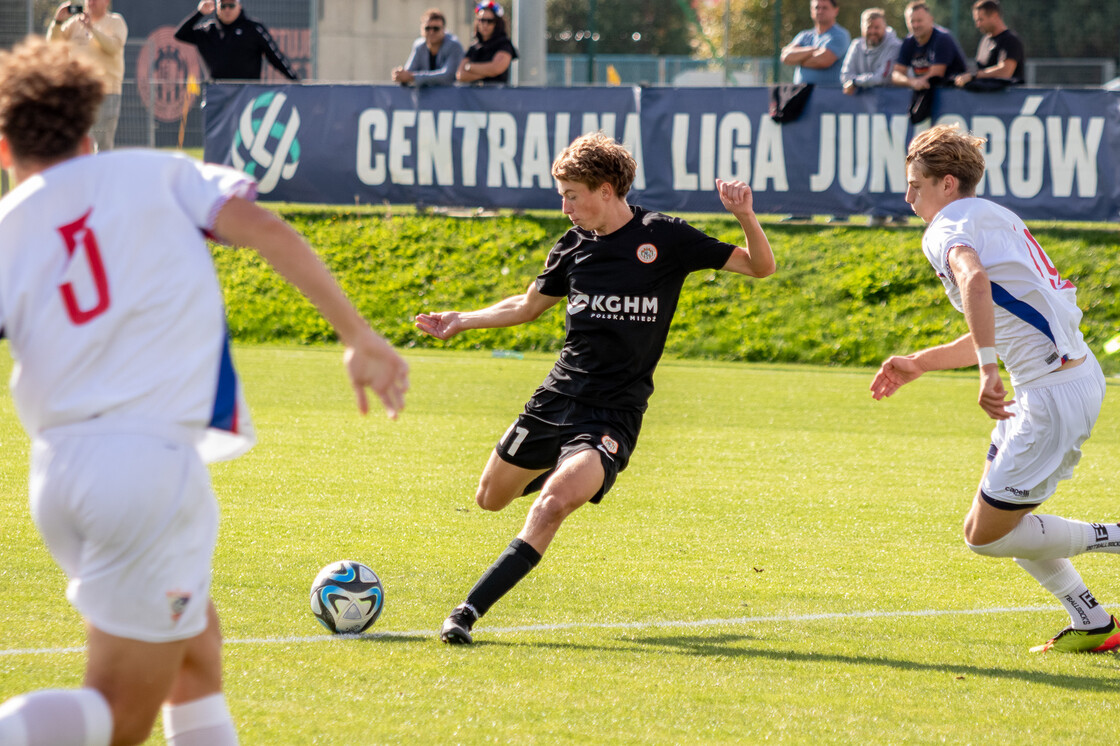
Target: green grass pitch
point(782, 562)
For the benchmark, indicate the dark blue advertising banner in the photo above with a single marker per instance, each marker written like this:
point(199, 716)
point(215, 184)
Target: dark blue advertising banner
point(1051, 154)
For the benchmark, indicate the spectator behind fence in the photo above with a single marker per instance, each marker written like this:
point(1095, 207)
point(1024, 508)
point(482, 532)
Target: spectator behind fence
point(817, 52)
point(488, 59)
point(868, 63)
point(870, 58)
point(929, 56)
point(999, 55)
point(435, 55)
point(231, 44)
point(97, 36)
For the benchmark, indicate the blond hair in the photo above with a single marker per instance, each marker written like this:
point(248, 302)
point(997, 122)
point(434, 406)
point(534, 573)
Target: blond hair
point(945, 150)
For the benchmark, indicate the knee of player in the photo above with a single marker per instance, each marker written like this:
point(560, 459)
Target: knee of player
point(554, 507)
point(487, 499)
point(995, 548)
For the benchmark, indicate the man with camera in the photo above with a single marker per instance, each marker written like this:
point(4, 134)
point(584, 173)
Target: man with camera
point(98, 36)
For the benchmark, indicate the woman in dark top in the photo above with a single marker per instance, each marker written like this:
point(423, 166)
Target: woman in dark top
point(488, 59)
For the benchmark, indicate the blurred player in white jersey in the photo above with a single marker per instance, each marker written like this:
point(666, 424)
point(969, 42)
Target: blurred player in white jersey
point(123, 380)
point(1020, 309)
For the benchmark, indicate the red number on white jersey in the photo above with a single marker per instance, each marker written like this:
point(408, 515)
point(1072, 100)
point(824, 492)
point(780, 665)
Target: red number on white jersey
point(1043, 264)
point(77, 235)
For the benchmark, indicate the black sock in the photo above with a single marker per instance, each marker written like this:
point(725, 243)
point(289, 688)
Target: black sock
point(511, 566)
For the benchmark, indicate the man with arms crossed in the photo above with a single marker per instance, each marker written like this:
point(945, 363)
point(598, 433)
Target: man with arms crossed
point(816, 53)
point(621, 269)
point(123, 380)
point(1018, 308)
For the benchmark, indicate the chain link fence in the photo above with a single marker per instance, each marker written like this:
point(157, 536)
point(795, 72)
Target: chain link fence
point(162, 103)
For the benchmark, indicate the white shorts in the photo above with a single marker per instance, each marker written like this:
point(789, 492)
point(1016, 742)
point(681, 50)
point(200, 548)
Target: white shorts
point(129, 516)
point(1039, 447)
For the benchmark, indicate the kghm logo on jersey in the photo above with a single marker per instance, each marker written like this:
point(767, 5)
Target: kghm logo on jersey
point(615, 307)
point(647, 253)
point(577, 303)
point(265, 145)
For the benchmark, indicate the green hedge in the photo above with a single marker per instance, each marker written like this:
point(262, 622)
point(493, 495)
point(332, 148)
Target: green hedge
point(841, 296)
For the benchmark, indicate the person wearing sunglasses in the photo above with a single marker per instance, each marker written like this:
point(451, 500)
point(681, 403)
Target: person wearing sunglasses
point(435, 55)
point(232, 45)
point(488, 59)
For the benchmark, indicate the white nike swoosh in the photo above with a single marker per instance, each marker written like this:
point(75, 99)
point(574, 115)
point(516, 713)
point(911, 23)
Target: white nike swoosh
point(579, 259)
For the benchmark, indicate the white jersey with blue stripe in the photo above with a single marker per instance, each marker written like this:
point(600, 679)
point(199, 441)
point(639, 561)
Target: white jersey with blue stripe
point(1036, 310)
point(110, 301)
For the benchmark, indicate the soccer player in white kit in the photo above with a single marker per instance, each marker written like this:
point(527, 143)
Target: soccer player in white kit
point(1020, 309)
point(124, 381)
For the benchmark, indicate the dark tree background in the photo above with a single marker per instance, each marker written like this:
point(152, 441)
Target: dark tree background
point(623, 27)
point(1070, 28)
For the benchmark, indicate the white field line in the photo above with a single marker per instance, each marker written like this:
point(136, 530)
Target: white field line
point(731, 622)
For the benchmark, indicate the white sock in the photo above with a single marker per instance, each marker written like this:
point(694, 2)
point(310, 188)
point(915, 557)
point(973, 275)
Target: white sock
point(56, 717)
point(1102, 537)
point(203, 722)
point(1059, 577)
point(1039, 537)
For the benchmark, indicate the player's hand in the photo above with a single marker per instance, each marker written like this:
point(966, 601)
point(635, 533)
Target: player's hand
point(894, 373)
point(440, 325)
point(736, 196)
point(400, 75)
point(206, 7)
point(993, 396)
point(376, 365)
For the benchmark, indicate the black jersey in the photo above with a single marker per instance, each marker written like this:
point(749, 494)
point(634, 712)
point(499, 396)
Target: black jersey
point(622, 292)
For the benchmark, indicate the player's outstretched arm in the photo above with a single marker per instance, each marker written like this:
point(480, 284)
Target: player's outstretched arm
point(756, 259)
point(900, 370)
point(512, 311)
point(895, 372)
point(370, 361)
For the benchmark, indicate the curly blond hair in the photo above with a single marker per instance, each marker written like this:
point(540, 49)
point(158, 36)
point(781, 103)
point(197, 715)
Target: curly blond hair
point(944, 150)
point(48, 99)
point(595, 159)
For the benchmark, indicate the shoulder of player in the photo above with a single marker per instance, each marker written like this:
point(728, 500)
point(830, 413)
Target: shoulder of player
point(572, 238)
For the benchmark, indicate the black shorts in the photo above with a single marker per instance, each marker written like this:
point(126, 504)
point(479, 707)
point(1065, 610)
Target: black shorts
point(554, 427)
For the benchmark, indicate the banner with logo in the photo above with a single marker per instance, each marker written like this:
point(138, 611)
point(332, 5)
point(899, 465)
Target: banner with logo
point(1052, 154)
point(164, 76)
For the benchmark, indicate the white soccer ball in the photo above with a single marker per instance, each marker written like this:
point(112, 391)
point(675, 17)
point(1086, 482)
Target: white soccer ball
point(347, 597)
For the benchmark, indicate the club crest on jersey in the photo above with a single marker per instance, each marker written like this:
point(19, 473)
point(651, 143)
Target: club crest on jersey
point(610, 444)
point(647, 253)
point(177, 601)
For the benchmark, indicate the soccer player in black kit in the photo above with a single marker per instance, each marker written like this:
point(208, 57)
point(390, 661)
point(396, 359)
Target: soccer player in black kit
point(621, 269)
